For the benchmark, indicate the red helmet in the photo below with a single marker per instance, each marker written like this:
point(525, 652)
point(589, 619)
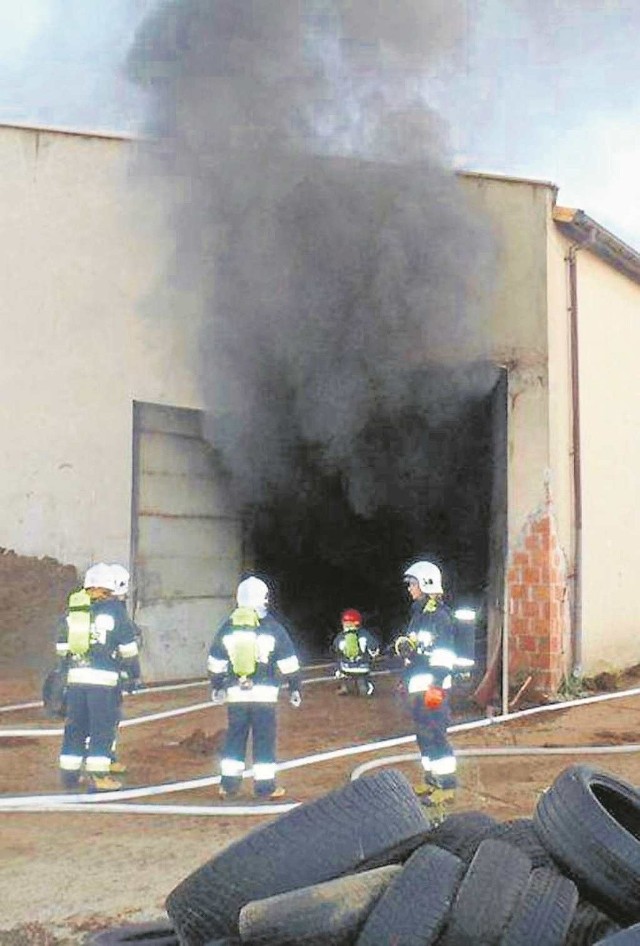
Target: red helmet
point(351, 616)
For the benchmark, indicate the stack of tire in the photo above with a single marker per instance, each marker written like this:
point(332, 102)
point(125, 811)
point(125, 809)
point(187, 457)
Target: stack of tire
point(366, 865)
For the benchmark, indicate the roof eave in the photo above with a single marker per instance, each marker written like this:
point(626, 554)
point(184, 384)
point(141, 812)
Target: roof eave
point(584, 231)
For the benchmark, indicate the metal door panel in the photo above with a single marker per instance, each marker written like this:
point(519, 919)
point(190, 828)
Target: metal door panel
point(171, 578)
point(164, 419)
point(171, 453)
point(186, 538)
point(177, 636)
point(181, 496)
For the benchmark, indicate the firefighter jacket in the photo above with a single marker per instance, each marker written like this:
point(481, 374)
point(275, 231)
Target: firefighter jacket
point(249, 661)
point(356, 650)
point(430, 658)
point(112, 647)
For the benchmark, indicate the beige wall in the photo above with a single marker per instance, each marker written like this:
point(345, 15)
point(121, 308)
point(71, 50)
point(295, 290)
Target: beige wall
point(609, 343)
point(80, 250)
point(560, 393)
point(520, 211)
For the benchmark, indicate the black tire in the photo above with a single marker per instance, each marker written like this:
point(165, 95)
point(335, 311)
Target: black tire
point(589, 925)
point(331, 912)
point(314, 842)
point(628, 937)
point(522, 834)
point(488, 895)
point(590, 823)
point(140, 934)
point(398, 852)
point(544, 914)
point(414, 908)
point(461, 833)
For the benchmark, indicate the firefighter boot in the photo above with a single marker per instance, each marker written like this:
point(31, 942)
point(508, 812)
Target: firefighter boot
point(227, 793)
point(276, 792)
point(104, 783)
point(70, 780)
point(426, 788)
point(443, 793)
point(117, 768)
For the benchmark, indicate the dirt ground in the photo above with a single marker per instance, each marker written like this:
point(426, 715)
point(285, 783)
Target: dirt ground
point(64, 875)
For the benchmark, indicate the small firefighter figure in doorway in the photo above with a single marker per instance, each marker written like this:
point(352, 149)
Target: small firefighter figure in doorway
point(427, 649)
point(356, 649)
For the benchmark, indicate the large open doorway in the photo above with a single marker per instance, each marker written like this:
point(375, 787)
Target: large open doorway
point(445, 500)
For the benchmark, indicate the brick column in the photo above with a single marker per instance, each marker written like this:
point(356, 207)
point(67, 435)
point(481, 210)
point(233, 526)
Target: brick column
point(537, 594)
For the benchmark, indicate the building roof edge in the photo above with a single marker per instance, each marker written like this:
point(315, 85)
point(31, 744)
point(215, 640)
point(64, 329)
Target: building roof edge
point(80, 133)
point(588, 233)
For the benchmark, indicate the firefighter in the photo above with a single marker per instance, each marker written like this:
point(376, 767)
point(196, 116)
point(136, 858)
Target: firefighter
point(249, 653)
point(126, 683)
point(356, 648)
point(427, 649)
point(97, 638)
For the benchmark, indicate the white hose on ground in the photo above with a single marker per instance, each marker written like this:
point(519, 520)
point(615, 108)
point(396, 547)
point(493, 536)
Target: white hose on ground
point(97, 801)
point(115, 807)
point(163, 688)
point(138, 720)
point(102, 802)
point(476, 724)
point(20, 706)
point(36, 803)
point(166, 687)
point(499, 751)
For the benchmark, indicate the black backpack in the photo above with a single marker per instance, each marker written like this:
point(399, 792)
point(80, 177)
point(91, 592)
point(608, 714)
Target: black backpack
point(54, 693)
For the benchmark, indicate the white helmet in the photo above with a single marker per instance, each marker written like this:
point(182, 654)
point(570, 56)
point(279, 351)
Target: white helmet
point(253, 593)
point(121, 579)
point(428, 577)
point(100, 576)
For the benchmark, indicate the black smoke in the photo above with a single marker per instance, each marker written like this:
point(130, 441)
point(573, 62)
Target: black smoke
point(346, 278)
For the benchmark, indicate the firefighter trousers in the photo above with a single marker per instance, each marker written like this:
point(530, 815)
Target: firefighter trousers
point(92, 717)
point(438, 760)
point(259, 720)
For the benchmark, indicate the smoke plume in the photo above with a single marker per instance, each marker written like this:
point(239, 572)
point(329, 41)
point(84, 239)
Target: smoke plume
point(324, 224)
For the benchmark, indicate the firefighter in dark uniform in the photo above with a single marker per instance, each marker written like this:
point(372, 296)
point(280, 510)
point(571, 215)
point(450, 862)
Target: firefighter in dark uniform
point(97, 639)
point(427, 649)
point(356, 649)
point(249, 654)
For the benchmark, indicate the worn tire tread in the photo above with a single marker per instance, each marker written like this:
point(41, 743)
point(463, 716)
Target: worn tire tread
point(312, 843)
point(429, 881)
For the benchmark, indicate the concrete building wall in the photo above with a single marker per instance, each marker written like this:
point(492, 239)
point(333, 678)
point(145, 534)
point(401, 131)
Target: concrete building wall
point(609, 342)
point(533, 346)
point(520, 211)
point(80, 251)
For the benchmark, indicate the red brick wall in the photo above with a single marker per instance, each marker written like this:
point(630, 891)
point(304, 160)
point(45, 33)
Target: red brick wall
point(537, 592)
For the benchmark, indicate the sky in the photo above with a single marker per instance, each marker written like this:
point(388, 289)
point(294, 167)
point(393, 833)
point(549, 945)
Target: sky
point(547, 89)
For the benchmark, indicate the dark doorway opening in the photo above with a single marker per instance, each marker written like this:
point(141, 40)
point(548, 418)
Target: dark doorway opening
point(441, 495)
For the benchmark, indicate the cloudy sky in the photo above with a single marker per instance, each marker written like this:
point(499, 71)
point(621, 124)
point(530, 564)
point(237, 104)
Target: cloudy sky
point(539, 88)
